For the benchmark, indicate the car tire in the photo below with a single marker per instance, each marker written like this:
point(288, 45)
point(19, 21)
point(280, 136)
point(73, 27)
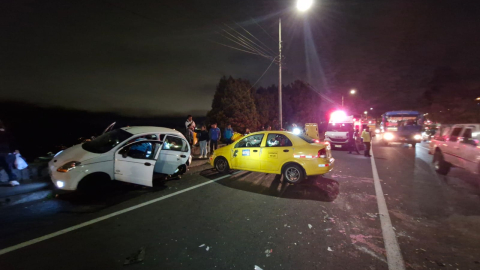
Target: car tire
point(221, 165)
point(441, 166)
point(293, 173)
point(181, 170)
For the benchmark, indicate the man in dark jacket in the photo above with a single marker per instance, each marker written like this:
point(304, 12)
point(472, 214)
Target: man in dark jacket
point(351, 142)
point(6, 159)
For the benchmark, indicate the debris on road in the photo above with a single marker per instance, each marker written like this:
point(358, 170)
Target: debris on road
point(208, 248)
point(310, 226)
point(329, 249)
point(257, 268)
point(202, 245)
point(372, 215)
point(137, 257)
point(268, 252)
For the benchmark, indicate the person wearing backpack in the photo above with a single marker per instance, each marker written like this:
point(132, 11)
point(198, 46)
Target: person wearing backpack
point(214, 135)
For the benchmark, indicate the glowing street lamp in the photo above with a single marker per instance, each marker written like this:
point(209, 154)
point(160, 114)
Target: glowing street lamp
point(365, 112)
point(478, 98)
point(352, 92)
point(304, 5)
point(371, 109)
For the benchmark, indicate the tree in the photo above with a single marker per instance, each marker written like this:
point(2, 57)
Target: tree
point(233, 103)
point(301, 104)
point(266, 101)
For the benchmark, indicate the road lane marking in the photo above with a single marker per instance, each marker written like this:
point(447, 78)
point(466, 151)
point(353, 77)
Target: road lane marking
point(96, 220)
point(394, 255)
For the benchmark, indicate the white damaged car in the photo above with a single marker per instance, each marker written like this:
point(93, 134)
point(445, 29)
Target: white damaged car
point(129, 154)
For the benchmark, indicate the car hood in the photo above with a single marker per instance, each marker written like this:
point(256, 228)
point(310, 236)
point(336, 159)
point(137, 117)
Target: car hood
point(74, 153)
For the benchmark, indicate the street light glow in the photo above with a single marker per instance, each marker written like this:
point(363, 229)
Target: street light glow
point(365, 112)
point(371, 109)
point(304, 5)
point(353, 91)
point(478, 98)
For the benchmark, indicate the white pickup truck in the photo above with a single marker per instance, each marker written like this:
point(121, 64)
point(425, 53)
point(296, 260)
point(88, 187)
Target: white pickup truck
point(456, 146)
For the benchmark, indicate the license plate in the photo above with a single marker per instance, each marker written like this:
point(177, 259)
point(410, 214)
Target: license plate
point(337, 145)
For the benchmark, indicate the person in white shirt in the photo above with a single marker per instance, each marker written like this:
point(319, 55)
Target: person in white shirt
point(189, 122)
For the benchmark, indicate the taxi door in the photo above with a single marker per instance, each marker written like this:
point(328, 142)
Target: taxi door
point(246, 153)
point(277, 149)
point(452, 152)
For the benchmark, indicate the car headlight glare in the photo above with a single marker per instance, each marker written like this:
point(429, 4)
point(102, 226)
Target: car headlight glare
point(60, 184)
point(377, 130)
point(68, 166)
point(388, 136)
point(417, 137)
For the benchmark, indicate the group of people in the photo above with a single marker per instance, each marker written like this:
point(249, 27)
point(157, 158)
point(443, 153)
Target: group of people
point(366, 137)
point(208, 137)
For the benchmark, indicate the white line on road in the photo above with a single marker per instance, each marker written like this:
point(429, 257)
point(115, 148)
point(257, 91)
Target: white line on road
point(394, 255)
point(90, 222)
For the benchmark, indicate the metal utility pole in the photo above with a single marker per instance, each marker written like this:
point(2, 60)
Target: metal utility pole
point(280, 71)
point(342, 101)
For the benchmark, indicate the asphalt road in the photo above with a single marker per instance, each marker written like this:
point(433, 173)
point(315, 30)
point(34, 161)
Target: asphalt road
point(250, 219)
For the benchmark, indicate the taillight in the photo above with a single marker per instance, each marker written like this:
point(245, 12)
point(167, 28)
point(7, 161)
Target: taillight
point(322, 153)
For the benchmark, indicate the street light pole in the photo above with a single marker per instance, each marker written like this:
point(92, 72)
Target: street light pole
point(342, 101)
point(280, 71)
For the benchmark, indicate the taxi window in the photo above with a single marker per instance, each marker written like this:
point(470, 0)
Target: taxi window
point(250, 141)
point(278, 140)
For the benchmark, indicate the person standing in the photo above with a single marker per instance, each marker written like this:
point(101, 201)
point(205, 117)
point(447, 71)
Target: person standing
point(367, 138)
point(352, 145)
point(214, 135)
point(7, 160)
point(228, 134)
point(247, 131)
point(202, 136)
point(188, 123)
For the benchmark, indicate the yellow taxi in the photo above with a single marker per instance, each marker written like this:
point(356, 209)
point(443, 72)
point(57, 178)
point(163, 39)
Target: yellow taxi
point(277, 152)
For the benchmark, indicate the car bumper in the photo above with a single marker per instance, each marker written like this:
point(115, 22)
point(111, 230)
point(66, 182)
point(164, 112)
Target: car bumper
point(319, 166)
point(65, 181)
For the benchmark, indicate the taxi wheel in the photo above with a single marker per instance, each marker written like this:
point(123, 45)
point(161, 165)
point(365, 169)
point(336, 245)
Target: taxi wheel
point(221, 164)
point(293, 173)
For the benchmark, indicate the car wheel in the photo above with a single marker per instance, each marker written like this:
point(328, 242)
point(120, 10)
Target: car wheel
point(441, 166)
point(180, 170)
point(293, 173)
point(221, 164)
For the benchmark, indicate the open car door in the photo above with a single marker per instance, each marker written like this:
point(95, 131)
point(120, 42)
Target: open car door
point(135, 162)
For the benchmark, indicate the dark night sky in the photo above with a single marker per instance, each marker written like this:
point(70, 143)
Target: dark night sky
point(155, 57)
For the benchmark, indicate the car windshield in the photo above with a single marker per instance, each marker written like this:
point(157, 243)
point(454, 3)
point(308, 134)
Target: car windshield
point(107, 141)
point(342, 127)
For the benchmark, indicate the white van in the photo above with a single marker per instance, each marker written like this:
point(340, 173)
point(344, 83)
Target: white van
point(337, 130)
point(130, 154)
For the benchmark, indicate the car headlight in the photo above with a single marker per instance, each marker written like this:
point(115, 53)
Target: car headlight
point(377, 130)
point(68, 166)
point(388, 136)
point(296, 131)
point(417, 137)
point(60, 184)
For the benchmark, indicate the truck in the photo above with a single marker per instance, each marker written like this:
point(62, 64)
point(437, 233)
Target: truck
point(456, 146)
point(401, 127)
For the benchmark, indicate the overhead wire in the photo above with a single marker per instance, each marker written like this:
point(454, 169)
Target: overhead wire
point(246, 44)
point(245, 37)
point(255, 38)
point(263, 74)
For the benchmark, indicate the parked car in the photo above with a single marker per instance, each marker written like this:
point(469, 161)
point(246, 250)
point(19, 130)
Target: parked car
point(457, 146)
point(277, 152)
point(130, 154)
